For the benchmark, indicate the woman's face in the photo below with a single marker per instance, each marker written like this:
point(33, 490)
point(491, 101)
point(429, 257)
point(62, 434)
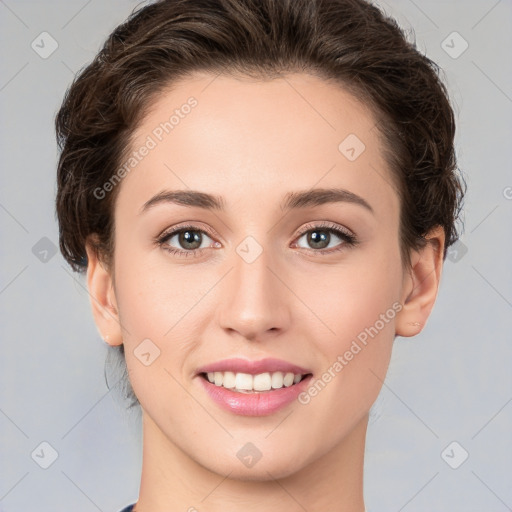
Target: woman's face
point(299, 263)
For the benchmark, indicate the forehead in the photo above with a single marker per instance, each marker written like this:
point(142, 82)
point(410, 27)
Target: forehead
point(229, 135)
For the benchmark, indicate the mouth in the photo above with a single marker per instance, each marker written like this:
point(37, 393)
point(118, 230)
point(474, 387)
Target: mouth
point(253, 388)
point(259, 383)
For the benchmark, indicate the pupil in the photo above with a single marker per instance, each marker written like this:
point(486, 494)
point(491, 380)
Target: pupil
point(190, 237)
point(319, 239)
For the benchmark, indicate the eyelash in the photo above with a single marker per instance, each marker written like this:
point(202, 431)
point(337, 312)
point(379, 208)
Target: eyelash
point(348, 238)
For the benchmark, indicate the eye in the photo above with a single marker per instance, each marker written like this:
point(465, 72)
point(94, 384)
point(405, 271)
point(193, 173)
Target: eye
point(185, 241)
point(326, 236)
point(189, 241)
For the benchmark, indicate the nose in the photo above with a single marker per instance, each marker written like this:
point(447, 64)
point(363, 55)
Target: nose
point(254, 302)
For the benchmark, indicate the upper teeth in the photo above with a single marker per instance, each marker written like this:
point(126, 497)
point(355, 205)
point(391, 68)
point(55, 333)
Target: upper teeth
point(248, 382)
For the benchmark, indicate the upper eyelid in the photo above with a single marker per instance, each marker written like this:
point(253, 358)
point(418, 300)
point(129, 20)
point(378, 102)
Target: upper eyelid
point(326, 225)
point(308, 227)
point(166, 233)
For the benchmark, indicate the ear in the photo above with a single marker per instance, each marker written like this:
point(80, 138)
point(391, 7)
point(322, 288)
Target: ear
point(421, 284)
point(102, 296)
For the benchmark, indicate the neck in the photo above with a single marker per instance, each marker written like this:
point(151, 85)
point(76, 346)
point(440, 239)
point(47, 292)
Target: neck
point(173, 482)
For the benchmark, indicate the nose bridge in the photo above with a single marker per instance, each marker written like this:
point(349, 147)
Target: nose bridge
point(253, 300)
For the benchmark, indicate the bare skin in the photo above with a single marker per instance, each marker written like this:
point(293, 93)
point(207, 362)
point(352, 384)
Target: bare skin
point(252, 143)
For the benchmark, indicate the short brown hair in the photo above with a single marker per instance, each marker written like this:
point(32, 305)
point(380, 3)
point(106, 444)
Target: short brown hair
point(349, 41)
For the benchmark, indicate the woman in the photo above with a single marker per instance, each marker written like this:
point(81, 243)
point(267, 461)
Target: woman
point(262, 193)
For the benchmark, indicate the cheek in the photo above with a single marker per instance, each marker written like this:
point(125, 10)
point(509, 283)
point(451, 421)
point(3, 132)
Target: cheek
point(159, 308)
point(159, 314)
point(154, 297)
point(360, 308)
point(358, 303)
point(349, 298)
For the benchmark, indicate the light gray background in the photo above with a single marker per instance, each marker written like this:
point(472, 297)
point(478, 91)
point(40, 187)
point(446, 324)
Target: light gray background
point(450, 383)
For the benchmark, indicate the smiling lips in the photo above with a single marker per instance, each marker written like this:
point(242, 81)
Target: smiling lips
point(239, 365)
point(243, 375)
point(253, 388)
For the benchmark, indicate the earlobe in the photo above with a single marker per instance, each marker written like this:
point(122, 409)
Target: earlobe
point(421, 284)
point(102, 297)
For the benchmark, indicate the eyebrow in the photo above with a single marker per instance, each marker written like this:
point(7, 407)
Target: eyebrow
point(292, 200)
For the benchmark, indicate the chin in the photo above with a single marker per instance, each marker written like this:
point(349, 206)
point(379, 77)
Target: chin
point(264, 469)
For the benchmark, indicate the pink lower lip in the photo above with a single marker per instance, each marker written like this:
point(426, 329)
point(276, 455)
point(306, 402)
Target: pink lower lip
point(254, 404)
